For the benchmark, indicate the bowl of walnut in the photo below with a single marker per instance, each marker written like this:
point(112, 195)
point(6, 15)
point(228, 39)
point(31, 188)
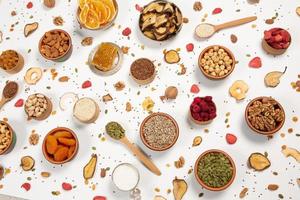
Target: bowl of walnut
point(7, 138)
point(38, 107)
point(265, 115)
point(56, 45)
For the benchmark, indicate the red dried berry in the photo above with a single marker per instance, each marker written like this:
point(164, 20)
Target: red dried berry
point(255, 62)
point(190, 47)
point(99, 198)
point(66, 186)
point(26, 186)
point(19, 103)
point(29, 5)
point(86, 84)
point(138, 8)
point(196, 108)
point(126, 31)
point(217, 11)
point(197, 100)
point(195, 89)
point(230, 138)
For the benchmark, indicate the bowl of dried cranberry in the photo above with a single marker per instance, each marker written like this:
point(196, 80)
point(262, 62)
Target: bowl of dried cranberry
point(276, 41)
point(203, 110)
point(265, 115)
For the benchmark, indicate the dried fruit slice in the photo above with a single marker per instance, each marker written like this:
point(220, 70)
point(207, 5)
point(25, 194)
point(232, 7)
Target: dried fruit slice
point(272, 79)
point(111, 7)
point(84, 13)
point(179, 188)
point(89, 168)
point(100, 8)
point(259, 162)
point(239, 89)
point(92, 20)
point(27, 163)
point(172, 57)
point(81, 3)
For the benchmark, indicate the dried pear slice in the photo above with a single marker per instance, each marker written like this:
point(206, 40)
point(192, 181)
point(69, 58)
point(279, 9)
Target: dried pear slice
point(160, 20)
point(172, 57)
point(149, 34)
point(179, 188)
point(149, 22)
point(155, 6)
point(30, 28)
point(90, 167)
point(272, 79)
point(161, 30)
point(259, 162)
point(158, 197)
point(27, 163)
point(168, 8)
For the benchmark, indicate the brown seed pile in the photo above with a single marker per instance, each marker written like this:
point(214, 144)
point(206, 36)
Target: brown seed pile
point(159, 132)
point(265, 114)
point(142, 69)
point(55, 44)
point(8, 59)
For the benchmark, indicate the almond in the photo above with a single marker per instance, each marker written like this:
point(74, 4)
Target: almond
point(273, 187)
point(49, 3)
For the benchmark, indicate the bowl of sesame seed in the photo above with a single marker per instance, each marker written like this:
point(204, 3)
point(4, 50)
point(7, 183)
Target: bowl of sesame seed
point(159, 131)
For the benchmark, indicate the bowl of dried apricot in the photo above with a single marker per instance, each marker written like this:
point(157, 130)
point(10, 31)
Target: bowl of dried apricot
point(11, 61)
point(60, 145)
point(96, 14)
point(56, 45)
point(264, 115)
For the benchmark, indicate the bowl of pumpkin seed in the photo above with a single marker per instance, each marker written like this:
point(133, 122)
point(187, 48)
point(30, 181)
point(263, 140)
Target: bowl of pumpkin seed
point(215, 170)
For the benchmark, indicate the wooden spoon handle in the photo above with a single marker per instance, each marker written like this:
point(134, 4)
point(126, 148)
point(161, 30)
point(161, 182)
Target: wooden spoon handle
point(235, 23)
point(2, 102)
point(141, 156)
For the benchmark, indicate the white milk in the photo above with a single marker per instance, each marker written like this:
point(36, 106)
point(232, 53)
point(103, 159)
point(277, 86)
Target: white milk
point(125, 177)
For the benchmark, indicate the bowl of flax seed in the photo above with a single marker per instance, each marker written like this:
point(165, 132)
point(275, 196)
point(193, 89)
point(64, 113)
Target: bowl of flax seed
point(159, 131)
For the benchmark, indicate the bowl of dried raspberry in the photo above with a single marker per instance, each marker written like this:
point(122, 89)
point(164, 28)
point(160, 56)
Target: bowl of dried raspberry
point(203, 110)
point(276, 41)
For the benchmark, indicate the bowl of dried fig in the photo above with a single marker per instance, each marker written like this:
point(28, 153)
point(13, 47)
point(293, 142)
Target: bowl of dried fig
point(265, 115)
point(56, 45)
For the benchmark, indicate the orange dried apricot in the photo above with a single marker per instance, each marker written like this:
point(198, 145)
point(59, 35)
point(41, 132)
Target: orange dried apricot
point(51, 144)
point(63, 134)
point(71, 151)
point(61, 154)
point(66, 141)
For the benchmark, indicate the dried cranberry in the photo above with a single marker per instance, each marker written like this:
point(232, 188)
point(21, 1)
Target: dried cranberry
point(29, 5)
point(86, 84)
point(195, 89)
point(66, 186)
point(230, 138)
point(126, 31)
point(217, 11)
point(190, 47)
point(255, 62)
point(26, 186)
point(99, 198)
point(19, 103)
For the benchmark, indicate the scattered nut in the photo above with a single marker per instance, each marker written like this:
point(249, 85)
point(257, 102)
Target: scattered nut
point(273, 187)
point(34, 138)
point(233, 38)
point(64, 79)
point(45, 174)
point(103, 172)
point(180, 163)
point(171, 92)
point(49, 3)
point(119, 86)
point(197, 6)
point(107, 98)
point(243, 193)
point(87, 41)
point(128, 107)
point(58, 21)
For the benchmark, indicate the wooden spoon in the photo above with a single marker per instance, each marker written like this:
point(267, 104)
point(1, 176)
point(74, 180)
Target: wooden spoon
point(206, 30)
point(116, 131)
point(5, 99)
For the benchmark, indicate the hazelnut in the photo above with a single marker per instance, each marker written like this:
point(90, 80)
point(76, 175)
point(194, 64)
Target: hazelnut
point(49, 3)
point(171, 92)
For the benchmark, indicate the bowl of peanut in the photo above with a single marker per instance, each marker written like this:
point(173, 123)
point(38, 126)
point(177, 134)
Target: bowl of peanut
point(38, 107)
point(7, 138)
point(56, 45)
point(11, 61)
point(216, 62)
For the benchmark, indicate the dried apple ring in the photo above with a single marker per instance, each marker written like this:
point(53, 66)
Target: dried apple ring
point(239, 89)
point(33, 75)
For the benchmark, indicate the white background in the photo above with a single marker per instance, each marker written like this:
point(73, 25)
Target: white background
point(112, 153)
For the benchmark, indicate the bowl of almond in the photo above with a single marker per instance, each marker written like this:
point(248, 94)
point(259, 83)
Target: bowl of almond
point(7, 138)
point(56, 45)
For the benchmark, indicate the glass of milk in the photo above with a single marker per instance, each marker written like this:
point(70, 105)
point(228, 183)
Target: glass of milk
point(126, 177)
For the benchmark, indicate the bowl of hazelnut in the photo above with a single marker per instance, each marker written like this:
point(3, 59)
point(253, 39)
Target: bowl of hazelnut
point(38, 107)
point(7, 138)
point(203, 110)
point(216, 62)
point(56, 45)
point(11, 61)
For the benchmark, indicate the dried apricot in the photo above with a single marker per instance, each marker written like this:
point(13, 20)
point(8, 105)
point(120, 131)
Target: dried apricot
point(63, 134)
point(51, 144)
point(61, 154)
point(66, 141)
point(71, 151)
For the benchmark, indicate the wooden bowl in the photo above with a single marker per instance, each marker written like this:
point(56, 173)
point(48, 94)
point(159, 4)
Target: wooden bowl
point(143, 137)
point(12, 141)
point(199, 122)
point(259, 131)
point(64, 56)
point(216, 77)
point(45, 114)
point(102, 27)
point(18, 67)
point(46, 155)
point(145, 81)
point(96, 115)
point(270, 49)
point(202, 183)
